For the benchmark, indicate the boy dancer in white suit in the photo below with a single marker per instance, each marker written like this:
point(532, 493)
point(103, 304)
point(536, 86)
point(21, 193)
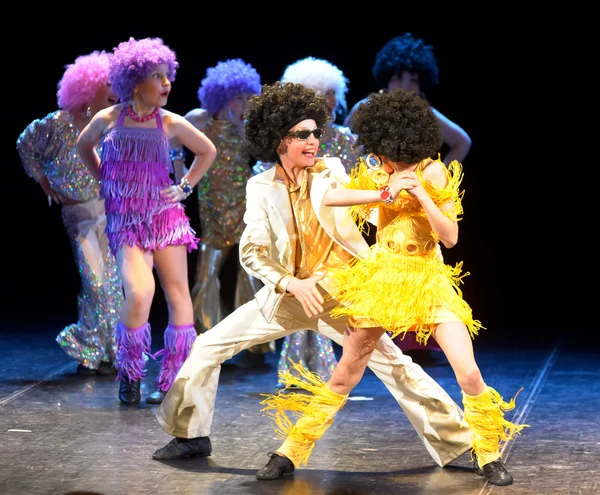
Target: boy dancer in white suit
point(289, 242)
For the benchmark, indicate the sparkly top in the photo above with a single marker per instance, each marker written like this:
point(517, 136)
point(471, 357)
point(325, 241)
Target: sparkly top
point(338, 141)
point(222, 190)
point(48, 147)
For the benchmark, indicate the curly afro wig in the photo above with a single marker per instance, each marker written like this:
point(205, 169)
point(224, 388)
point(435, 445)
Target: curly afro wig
point(225, 81)
point(278, 108)
point(406, 53)
point(399, 125)
point(320, 75)
point(82, 80)
point(134, 60)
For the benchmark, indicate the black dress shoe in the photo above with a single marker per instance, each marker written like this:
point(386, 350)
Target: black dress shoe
point(106, 369)
point(129, 392)
point(495, 472)
point(156, 397)
point(180, 448)
point(85, 371)
point(275, 468)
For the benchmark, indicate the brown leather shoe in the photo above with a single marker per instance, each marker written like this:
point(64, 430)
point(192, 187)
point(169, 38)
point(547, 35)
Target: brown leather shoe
point(275, 468)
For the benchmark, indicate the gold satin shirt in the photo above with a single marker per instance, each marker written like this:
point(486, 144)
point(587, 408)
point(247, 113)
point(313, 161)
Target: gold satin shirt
point(316, 252)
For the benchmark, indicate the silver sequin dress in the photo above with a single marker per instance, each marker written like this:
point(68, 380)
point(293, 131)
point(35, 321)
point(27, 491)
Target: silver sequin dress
point(47, 147)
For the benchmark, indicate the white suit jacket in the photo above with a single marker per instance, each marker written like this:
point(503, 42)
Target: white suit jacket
point(266, 248)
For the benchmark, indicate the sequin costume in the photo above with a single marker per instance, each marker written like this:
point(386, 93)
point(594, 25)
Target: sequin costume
point(221, 205)
point(312, 350)
point(222, 190)
point(339, 141)
point(135, 167)
point(404, 284)
point(47, 147)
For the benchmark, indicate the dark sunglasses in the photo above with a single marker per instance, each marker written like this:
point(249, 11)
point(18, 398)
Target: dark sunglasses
point(304, 134)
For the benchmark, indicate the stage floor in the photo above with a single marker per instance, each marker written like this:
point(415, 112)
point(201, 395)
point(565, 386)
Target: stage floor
point(63, 433)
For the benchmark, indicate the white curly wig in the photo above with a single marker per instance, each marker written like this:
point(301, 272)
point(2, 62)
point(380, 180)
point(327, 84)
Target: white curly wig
point(320, 76)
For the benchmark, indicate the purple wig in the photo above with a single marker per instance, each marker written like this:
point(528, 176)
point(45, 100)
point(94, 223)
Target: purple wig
point(134, 60)
point(82, 80)
point(226, 80)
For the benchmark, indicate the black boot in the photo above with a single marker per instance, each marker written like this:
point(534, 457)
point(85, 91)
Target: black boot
point(85, 371)
point(129, 392)
point(180, 448)
point(495, 472)
point(106, 369)
point(275, 468)
point(156, 397)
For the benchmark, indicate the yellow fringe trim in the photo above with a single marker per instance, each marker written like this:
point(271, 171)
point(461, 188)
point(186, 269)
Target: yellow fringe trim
point(401, 293)
point(361, 178)
point(484, 414)
point(315, 410)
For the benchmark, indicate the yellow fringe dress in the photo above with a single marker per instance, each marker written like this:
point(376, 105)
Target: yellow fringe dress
point(403, 284)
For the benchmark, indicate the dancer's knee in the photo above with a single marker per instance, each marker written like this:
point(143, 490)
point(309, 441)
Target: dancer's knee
point(470, 380)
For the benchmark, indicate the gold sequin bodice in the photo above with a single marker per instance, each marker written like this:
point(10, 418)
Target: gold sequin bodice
point(222, 191)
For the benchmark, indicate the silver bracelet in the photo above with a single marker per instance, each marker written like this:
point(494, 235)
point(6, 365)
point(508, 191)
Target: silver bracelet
point(177, 154)
point(184, 187)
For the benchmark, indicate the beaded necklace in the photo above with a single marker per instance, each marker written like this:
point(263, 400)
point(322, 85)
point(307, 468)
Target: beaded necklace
point(134, 116)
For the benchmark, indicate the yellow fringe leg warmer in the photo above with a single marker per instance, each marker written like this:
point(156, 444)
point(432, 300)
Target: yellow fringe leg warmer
point(484, 414)
point(316, 411)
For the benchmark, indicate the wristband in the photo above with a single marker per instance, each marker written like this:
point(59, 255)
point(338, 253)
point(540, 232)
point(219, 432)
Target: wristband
point(177, 154)
point(385, 195)
point(184, 187)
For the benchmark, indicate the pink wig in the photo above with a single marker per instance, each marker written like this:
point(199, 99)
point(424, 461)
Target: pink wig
point(132, 61)
point(82, 80)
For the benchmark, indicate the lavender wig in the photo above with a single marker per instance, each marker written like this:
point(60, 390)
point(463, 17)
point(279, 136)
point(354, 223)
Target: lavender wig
point(82, 80)
point(321, 76)
point(226, 80)
point(134, 60)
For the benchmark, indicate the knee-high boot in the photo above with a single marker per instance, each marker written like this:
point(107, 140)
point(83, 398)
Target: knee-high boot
point(484, 414)
point(178, 344)
point(317, 412)
point(132, 345)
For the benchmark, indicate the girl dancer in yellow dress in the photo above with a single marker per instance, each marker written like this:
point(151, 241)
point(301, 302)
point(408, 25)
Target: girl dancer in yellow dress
point(402, 284)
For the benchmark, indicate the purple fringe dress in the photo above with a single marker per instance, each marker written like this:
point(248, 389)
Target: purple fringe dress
point(135, 168)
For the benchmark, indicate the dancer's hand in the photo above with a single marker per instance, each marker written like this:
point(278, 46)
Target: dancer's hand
point(307, 294)
point(416, 188)
point(49, 192)
point(402, 180)
point(173, 193)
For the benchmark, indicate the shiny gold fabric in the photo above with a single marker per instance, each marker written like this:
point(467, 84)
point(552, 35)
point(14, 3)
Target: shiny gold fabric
point(222, 190)
point(315, 251)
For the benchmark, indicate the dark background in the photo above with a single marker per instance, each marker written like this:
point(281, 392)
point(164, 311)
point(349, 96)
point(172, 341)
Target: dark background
point(499, 83)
